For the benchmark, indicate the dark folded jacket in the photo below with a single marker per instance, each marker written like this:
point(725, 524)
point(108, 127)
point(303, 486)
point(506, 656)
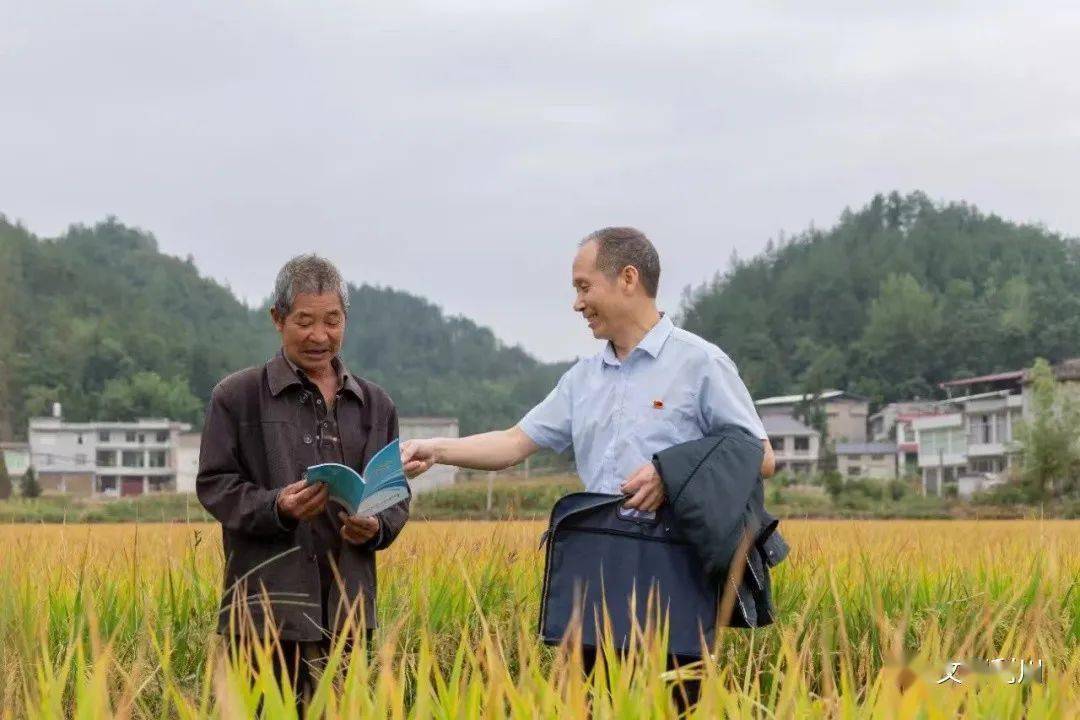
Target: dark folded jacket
point(599, 557)
point(716, 498)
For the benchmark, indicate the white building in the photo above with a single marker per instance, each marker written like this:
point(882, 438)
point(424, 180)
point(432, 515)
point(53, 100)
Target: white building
point(109, 459)
point(797, 447)
point(187, 466)
point(874, 461)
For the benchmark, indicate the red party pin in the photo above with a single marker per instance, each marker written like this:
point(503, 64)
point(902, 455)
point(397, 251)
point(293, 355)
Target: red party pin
point(658, 404)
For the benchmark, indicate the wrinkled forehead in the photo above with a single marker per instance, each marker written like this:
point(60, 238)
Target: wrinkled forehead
point(317, 304)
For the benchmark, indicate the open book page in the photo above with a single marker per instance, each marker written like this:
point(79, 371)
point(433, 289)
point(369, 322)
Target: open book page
point(382, 485)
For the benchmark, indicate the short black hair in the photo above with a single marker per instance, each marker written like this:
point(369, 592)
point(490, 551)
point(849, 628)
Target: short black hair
point(619, 247)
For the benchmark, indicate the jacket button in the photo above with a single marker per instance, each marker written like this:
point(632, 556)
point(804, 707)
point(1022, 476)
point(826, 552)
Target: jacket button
point(307, 439)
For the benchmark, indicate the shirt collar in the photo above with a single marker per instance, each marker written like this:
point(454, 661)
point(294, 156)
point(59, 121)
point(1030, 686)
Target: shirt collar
point(652, 343)
point(282, 373)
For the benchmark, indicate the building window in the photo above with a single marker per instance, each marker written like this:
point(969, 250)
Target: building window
point(877, 458)
point(802, 444)
point(133, 458)
point(777, 443)
point(163, 436)
point(142, 438)
point(106, 483)
point(79, 440)
point(158, 458)
point(103, 436)
point(161, 484)
point(129, 436)
point(854, 471)
point(106, 458)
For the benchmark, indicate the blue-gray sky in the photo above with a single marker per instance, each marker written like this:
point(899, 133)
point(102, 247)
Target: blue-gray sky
point(459, 150)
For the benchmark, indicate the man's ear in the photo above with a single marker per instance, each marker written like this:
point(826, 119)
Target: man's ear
point(629, 277)
point(279, 322)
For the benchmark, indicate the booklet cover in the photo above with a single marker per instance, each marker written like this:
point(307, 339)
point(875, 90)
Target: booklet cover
point(383, 483)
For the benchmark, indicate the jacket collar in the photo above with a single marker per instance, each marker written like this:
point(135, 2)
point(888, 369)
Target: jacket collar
point(282, 373)
point(652, 343)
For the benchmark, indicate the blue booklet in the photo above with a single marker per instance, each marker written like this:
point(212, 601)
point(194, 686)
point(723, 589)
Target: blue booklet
point(382, 485)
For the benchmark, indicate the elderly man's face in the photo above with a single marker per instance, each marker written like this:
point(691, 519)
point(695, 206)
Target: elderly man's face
point(311, 333)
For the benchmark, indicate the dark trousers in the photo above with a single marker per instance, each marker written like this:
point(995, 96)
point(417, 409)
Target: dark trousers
point(302, 663)
point(685, 693)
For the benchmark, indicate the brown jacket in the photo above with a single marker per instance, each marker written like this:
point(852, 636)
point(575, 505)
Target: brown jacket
point(256, 440)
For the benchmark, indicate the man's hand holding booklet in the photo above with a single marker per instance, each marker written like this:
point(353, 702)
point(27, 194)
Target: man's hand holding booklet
point(382, 485)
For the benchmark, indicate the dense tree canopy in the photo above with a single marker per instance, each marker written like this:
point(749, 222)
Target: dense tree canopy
point(897, 297)
point(104, 323)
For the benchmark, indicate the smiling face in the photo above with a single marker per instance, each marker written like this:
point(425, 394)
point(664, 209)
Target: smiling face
point(312, 332)
point(603, 301)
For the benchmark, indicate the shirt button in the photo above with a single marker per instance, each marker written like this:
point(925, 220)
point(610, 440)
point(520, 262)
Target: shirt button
point(318, 401)
point(304, 397)
point(307, 439)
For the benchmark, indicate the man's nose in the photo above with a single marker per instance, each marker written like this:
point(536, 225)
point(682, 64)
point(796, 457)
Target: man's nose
point(319, 334)
point(579, 306)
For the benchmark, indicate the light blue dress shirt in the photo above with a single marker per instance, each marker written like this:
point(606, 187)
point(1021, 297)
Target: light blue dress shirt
point(672, 388)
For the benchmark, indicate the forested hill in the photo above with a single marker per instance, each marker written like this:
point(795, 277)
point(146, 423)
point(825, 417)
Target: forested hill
point(898, 296)
point(103, 322)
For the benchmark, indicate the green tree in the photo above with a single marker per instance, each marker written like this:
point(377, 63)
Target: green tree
point(1051, 439)
point(146, 394)
point(29, 487)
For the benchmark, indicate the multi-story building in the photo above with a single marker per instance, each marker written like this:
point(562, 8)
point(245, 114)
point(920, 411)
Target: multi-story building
point(109, 459)
point(845, 412)
point(797, 447)
point(875, 460)
point(972, 444)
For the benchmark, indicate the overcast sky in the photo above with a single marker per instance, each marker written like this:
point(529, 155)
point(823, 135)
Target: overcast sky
point(460, 150)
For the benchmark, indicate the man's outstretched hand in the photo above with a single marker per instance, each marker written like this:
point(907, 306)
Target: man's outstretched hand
point(645, 488)
point(417, 456)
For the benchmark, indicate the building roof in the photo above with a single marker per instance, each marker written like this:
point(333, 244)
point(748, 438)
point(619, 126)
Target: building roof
point(53, 423)
point(869, 448)
point(995, 377)
point(793, 399)
point(785, 425)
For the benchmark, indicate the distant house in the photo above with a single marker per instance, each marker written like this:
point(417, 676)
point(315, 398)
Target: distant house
point(846, 413)
point(106, 459)
point(874, 460)
point(797, 447)
point(16, 459)
point(410, 427)
point(972, 443)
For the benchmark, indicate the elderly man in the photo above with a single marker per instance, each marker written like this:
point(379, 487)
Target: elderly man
point(651, 387)
point(291, 559)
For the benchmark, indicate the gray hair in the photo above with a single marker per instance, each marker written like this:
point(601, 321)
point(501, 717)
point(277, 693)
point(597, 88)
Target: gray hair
point(619, 247)
point(309, 274)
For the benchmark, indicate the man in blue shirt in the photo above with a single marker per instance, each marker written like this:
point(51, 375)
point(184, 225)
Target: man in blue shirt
point(652, 386)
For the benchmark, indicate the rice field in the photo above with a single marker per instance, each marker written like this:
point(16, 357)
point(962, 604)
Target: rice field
point(116, 620)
